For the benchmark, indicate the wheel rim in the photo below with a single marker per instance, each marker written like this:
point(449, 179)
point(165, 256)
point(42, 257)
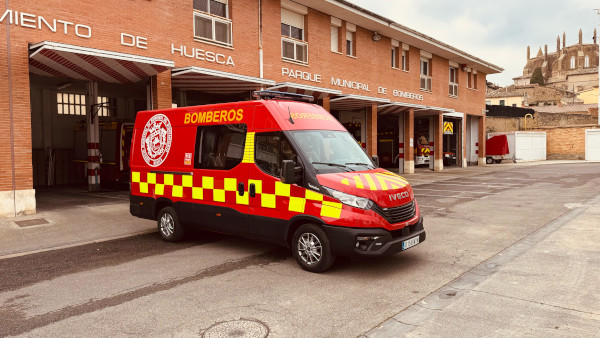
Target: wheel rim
point(310, 249)
point(167, 225)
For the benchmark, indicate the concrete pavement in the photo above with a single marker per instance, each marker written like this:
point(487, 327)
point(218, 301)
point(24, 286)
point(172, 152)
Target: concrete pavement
point(238, 279)
point(69, 217)
point(552, 276)
point(72, 216)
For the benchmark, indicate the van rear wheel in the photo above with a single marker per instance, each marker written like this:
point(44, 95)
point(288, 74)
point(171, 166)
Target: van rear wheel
point(168, 225)
point(312, 249)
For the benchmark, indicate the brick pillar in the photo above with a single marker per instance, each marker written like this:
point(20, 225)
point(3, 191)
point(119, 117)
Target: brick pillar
point(161, 90)
point(463, 123)
point(326, 103)
point(372, 130)
point(409, 142)
point(93, 138)
point(17, 196)
point(482, 139)
point(438, 165)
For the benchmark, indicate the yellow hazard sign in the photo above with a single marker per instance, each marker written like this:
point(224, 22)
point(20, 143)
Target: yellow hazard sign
point(448, 128)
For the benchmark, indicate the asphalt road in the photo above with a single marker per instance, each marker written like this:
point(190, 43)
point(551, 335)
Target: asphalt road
point(215, 285)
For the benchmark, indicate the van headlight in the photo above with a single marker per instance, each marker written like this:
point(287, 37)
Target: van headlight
point(351, 200)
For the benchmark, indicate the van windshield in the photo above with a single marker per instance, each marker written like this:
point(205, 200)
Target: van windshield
point(332, 151)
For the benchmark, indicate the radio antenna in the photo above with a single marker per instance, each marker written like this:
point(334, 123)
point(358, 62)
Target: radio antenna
point(291, 120)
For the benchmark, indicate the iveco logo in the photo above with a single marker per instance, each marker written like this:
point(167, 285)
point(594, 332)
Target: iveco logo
point(399, 196)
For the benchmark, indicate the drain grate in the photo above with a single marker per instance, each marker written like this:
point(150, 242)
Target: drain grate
point(31, 222)
point(237, 328)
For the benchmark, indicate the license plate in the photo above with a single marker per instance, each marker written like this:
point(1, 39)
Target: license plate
point(410, 243)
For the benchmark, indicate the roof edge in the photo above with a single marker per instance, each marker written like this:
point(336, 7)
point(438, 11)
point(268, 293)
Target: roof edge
point(423, 37)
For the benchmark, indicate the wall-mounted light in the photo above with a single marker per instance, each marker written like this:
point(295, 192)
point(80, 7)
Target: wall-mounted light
point(464, 67)
point(64, 85)
point(376, 37)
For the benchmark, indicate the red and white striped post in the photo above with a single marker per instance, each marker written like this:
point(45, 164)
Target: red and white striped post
point(400, 151)
point(93, 139)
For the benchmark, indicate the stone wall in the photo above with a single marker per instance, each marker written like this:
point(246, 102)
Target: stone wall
point(541, 120)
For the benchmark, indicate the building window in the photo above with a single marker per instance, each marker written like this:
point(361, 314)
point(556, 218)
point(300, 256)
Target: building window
point(74, 104)
point(572, 62)
point(336, 37)
point(220, 147)
point(471, 79)
point(404, 60)
point(211, 21)
point(105, 106)
point(586, 61)
point(453, 82)
point(395, 54)
point(425, 74)
point(70, 104)
point(335, 41)
point(502, 102)
point(350, 44)
point(293, 46)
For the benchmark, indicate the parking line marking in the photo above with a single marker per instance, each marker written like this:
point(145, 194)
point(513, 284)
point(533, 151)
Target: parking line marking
point(487, 185)
point(432, 207)
point(506, 178)
point(471, 198)
point(122, 198)
point(471, 192)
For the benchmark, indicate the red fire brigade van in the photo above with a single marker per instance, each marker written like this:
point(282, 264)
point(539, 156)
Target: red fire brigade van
point(274, 169)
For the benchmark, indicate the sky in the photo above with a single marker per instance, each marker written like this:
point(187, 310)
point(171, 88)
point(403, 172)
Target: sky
point(495, 31)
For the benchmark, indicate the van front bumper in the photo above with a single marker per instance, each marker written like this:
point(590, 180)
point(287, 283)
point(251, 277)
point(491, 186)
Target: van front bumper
point(373, 241)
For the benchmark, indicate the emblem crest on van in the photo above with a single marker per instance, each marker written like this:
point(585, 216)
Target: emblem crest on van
point(156, 140)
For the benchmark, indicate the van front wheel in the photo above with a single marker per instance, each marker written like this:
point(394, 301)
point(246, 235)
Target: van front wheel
point(168, 225)
point(312, 249)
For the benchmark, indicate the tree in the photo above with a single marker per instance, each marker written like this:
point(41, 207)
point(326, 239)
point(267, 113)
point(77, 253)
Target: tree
point(537, 76)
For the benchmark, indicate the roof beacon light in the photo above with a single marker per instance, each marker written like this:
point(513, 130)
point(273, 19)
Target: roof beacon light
point(271, 95)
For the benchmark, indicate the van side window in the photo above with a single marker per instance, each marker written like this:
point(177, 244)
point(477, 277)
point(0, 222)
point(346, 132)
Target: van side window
point(271, 149)
point(220, 147)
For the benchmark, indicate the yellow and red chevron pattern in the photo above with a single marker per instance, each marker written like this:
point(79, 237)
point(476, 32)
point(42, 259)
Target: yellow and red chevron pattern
point(448, 128)
point(376, 181)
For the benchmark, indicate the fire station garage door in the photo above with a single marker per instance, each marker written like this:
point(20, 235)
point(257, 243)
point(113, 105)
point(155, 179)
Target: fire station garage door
point(592, 145)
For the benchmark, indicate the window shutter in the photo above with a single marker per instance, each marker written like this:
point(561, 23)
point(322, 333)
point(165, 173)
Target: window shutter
point(349, 36)
point(334, 39)
point(291, 18)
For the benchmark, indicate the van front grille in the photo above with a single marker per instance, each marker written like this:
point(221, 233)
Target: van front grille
point(396, 214)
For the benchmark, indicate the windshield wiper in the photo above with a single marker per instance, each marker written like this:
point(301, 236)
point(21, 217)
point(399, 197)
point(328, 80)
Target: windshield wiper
point(334, 165)
point(360, 163)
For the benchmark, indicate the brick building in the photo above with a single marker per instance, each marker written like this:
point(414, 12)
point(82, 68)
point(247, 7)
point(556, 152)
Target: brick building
point(73, 77)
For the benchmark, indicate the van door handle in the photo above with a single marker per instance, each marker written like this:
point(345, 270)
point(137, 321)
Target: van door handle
point(252, 190)
point(241, 188)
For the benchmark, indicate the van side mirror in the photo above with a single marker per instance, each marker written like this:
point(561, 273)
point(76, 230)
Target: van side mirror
point(375, 160)
point(288, 174)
